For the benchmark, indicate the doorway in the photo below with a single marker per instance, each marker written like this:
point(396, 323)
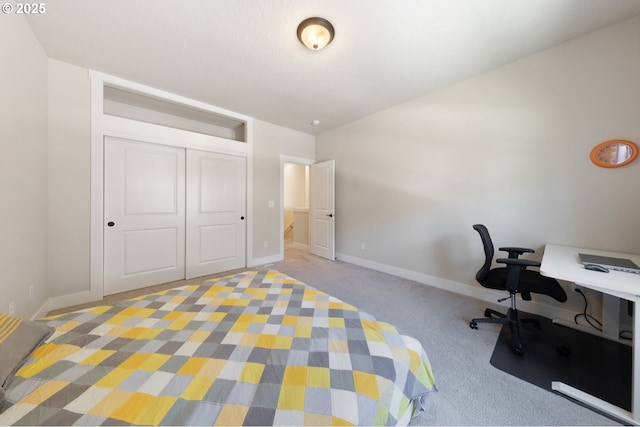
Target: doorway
point(319, 206)
point(294, 202)
point(296, 205)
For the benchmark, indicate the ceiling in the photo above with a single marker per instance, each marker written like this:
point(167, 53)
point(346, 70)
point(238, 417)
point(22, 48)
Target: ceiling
point(243, 55)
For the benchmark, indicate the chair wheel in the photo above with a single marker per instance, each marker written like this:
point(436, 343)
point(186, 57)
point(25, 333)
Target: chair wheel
point(518, 349)
point(473, 325)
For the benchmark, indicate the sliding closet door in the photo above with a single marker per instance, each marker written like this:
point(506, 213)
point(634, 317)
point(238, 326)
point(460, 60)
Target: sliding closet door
point(144, 214)
point(216, 205)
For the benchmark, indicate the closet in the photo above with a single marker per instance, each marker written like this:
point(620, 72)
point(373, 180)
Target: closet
point(174, 191)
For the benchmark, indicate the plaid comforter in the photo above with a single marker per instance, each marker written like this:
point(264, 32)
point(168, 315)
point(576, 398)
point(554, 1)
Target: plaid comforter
point(256, 348)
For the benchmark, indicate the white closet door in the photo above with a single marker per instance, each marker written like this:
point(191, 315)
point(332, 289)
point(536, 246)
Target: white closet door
point(216, 210)
point(144, 214)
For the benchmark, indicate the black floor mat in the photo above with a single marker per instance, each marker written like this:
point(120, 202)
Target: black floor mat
point(596, 365)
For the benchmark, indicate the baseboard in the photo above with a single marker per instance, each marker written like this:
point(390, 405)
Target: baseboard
point(299, 246)
point(472, 291)
point(265, 260)
point(84, 297)
point(73, 299)
point(43, 310)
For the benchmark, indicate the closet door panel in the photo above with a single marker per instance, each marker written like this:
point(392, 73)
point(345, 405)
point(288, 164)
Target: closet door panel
point(216, 205)
point(144, 214)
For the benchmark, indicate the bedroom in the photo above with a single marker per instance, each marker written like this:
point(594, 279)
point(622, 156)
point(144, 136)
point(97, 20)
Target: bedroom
point(540, 115)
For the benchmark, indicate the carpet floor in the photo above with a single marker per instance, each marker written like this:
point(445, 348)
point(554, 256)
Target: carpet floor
point(470, 390)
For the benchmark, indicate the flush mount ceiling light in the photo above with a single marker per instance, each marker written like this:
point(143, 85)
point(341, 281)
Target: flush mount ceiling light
point(315, 33)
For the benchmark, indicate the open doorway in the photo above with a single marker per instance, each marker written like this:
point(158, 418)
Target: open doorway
point(294, 192)
point(296, 205)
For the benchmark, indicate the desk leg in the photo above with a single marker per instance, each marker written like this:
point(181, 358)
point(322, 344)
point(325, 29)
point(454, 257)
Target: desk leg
point(591, 400)
point(635, 368)
point(611, 316)
point(633, 416)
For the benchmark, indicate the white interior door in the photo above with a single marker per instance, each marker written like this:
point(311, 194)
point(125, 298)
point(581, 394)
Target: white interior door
point(216, 205)
point(322, 208)
point(144, 214)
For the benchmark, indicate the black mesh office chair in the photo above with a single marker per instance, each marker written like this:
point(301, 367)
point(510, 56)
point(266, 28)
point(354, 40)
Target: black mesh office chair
point(516, 279)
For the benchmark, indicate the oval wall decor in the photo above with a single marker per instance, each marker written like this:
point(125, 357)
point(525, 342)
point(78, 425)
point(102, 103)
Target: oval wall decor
point(614, 153)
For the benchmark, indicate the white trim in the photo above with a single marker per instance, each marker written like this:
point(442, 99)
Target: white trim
point(158, 134)
point(288, 159)
point(97, 204)
point(121, 83)
point(265, 260)
point(102, 124)
point(70, 300)
point(43, 310)
point(249, 205)
point(476, 292)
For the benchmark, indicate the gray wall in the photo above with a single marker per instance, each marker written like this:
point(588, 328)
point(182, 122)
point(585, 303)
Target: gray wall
point(508, 148)
point(270, 142)
point(45, 174)
point(23, 167)
point(69, 171)
point(69, 179)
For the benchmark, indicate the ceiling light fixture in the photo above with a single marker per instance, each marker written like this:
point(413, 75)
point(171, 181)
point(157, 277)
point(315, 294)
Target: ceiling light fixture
point(315, 33)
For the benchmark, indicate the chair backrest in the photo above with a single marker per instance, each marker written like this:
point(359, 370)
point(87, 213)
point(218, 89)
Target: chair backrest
point(488, 251)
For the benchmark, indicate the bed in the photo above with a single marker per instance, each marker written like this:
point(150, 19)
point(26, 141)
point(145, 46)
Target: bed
point(254, 348)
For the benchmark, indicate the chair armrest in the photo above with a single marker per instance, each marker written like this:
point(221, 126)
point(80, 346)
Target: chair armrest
point(515, 252)
point(515, 266)
point(524, 263)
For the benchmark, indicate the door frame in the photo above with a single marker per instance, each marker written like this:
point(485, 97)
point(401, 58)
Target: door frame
point(102, 125)
point(287, 159)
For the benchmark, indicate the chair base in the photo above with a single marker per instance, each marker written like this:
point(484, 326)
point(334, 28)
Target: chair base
point(512, 319)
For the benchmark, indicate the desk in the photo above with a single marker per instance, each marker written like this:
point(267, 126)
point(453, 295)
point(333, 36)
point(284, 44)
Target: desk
point(561, 262)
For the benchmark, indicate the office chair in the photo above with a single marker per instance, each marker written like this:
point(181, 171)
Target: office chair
point(516, 279)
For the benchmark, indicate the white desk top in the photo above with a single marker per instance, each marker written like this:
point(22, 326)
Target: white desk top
point(562, 262)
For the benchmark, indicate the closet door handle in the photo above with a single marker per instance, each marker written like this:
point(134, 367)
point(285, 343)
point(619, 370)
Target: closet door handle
point(111, 223)
point(242, 218)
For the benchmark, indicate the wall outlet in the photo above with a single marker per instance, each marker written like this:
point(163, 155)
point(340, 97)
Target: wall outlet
point(265, 244)
point(12, 308)
point(362, 246)
point(32, 291)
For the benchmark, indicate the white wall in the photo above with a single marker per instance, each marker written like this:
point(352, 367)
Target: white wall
point(69, 192)
point(69, 174)
point(69, 198)
point(23, 167)
point(295, 186)
point(45, 173)
point(269, 143)
point(508, 148)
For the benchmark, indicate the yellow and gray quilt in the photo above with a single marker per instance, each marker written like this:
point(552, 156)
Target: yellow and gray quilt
point(256, 348)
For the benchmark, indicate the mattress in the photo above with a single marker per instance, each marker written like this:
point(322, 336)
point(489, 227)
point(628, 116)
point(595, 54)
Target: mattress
point(255, 348)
